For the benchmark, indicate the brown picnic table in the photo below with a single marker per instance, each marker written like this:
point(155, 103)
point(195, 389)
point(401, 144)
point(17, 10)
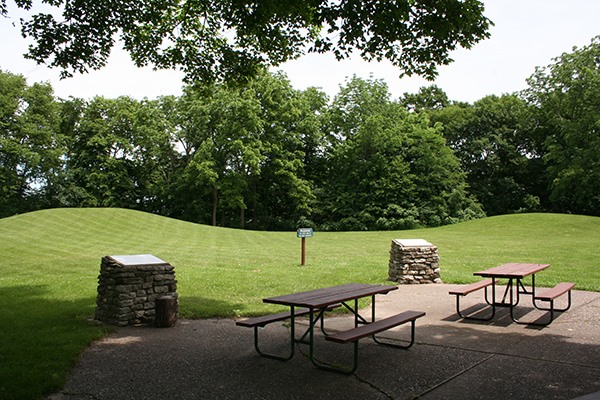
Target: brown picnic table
point(315, 303)
point(514, 273)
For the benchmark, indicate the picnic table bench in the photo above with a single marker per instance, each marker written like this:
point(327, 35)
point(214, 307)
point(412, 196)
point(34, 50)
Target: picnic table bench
point(316, 302)
point(514, 273)
point(264, 320)
point(473, 287)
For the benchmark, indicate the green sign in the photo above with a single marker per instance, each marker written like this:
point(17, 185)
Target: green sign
point(304, 232)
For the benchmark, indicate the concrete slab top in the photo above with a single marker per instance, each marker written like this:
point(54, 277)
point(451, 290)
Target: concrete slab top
point(138, 259)
point(412, 242)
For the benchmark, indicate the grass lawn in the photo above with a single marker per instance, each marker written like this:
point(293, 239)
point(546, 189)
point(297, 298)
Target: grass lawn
point(50, 260)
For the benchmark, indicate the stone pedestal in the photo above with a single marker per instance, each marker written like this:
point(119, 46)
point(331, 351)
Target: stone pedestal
point(128, 287)
point(414, 261)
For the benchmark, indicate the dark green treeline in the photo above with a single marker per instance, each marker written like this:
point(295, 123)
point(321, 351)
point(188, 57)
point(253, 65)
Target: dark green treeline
point(267, 156)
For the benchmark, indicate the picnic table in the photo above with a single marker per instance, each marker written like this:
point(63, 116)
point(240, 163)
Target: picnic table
point(514, 273)
point(315, 303)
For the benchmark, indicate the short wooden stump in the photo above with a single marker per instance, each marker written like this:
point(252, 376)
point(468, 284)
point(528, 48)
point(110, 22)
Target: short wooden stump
point(166, 311)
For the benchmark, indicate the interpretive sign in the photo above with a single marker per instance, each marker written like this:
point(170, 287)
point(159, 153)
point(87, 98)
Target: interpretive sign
point(305, 232)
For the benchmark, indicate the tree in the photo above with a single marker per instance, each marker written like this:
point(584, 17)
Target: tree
point(120, 154)
point(30, 147)
point(244, 150)
point(283, 193)
point(223, 128)
point(211, 39)
point(427, 99)
point(566, 97)
point(493, 143)
point(389, 168)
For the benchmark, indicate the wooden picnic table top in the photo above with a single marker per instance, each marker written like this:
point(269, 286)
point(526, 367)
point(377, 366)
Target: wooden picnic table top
point(512, 270)
point(336, 294)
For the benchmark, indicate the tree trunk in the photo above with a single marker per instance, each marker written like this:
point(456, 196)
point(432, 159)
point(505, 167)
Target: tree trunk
point(215, 204)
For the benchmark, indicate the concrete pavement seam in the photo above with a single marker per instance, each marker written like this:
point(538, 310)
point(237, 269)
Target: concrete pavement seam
point(452, 377)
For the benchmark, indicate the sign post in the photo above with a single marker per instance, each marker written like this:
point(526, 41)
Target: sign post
point(304, 233)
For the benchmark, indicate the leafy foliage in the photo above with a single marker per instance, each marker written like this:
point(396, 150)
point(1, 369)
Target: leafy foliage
point(566, 97)
point(265, 156)
point(496, 152)
point(389, 169)
point(30, 146)
point(232, 40)
point(119, 154)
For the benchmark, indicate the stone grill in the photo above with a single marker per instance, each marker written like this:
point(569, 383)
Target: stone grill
point(128, 287)
point(414, 261)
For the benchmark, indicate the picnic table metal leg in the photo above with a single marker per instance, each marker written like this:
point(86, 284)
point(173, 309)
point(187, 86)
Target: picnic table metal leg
point(328, 367)
point(532, 293)
point(373, 308)
point(292, 341)
point(492, 304)
point(320, 316)
point(512, 316)
point(508, 292)
point(550, 309)
point(359, 319)
point(513, 291)
point(487, 300)
point(412, 338)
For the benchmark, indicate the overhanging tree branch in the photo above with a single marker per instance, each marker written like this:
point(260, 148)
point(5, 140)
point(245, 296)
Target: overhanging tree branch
point(414, 35)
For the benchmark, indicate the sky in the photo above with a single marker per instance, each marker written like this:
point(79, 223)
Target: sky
point(527, 33)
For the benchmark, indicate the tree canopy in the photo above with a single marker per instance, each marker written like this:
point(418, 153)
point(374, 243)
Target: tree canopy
point(232, 40)
point(266, 156)
point(566, 99)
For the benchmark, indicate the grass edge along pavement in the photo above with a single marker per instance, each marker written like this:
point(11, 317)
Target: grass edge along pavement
point(50, 262)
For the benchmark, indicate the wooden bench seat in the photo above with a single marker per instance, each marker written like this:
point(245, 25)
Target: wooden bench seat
point(353, 335)
point(470, 288)
point(555, 292)
point(371, 329)
point(466, 289)
point(552, 294)
point(264, 320)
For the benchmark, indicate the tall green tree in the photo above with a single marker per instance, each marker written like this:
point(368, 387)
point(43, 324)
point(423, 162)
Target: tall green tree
point(30, 147)
point(222, 136)
point(389, 168)
point(245, 150)
point(213, 39)
point(566, 97)
point(291, 135)
point(492, 140)
point(428, 98)
point(120, 151)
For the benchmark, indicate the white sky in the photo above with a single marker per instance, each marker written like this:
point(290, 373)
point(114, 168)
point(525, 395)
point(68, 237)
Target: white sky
point(527, 33)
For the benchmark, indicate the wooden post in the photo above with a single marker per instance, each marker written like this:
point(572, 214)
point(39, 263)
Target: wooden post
point(304, 233)
point(166, 311)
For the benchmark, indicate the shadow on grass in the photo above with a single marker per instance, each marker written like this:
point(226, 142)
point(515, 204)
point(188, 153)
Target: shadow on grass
point(41, 339)
point(196, 307)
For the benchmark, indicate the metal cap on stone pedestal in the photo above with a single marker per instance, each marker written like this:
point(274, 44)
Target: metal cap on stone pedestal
point(137, 259)
point(412, 242)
